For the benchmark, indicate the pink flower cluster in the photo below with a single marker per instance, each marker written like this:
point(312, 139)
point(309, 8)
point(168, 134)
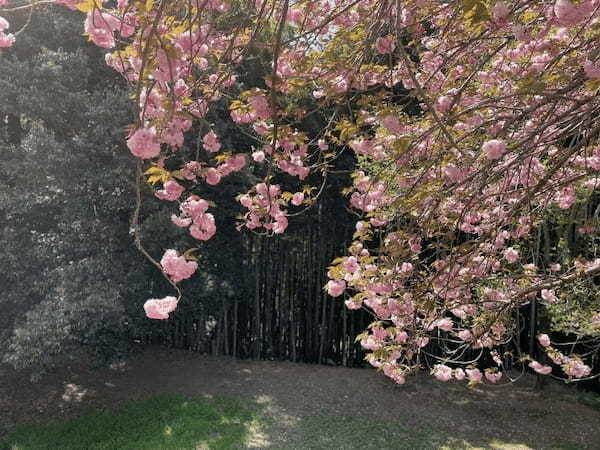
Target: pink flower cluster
point(143, 143)
point(265, 208)
point(257, 109)
point(160, 308)
point(177, 267)
point(193, 215)
point(171, 191)
point(100, 27)
point(6, 40)
point(212, 175)
point(474, 375)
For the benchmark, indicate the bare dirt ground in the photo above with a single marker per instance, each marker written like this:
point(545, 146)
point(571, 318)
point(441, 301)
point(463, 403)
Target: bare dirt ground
point(515, 416)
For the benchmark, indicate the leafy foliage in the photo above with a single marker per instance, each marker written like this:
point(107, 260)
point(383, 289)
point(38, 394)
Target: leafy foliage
point(64, 200)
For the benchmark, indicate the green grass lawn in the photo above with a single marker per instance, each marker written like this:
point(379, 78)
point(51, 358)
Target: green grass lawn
point(166, 421)
point(170, 421)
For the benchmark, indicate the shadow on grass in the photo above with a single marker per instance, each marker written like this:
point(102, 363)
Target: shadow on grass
point(346, 433)
point(337, 432)
point(165, 421)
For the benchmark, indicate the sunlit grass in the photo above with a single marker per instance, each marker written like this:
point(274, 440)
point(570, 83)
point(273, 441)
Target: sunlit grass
point(170, 421)
point(165, 421)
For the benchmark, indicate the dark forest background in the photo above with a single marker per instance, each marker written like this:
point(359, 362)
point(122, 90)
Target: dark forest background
point(71, 277)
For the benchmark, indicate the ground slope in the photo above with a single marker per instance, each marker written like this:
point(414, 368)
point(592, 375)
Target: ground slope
point(311, 406)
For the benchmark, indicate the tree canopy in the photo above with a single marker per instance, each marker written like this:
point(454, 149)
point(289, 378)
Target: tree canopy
point(474, 125)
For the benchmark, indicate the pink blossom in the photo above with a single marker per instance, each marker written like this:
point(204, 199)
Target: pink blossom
point(171, 191)
point(203, 227)
point(258, 156)
point(176, 266)
point(406, 267)
point(211, 142)
point(246, 201)
point(443, 103)
point(539, 368)
point(442, 372)
point(392, 123)
point(494, 149)
point(474, 375)
point(213, 176)
point(370, 343)
point(415, 244)
point(351, 304)
point(453, 173)
point(364, 146)
point(261, 128)
point(351, 264)
point(295, 16)
point(591, 70)
point(500, 12)
point(3, 24)
point(142, 143)
point(340, 85)
point(493, 377)
point(576, 368)
point(100, 27)
point(465, 335)
point(180, 88)
point(544, 340)
point(459, 312)
point(377, 222)
point(298, 198)
point(335, 288)
point(280, 224)
point(194, 206)
point(185, 222)
point(459, 374)
point(6, 40)
point(394, 373)
point(422, 341)
point(385, 45)
point(548, 296)
point(160, 308)
point(234, 163)
point(401, 337)
point(260, 105)
point(511, 255)
point(567, 14)
point(445, 324)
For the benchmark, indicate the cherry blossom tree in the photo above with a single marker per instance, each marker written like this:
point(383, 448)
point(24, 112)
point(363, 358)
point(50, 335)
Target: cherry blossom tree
point(474, 124)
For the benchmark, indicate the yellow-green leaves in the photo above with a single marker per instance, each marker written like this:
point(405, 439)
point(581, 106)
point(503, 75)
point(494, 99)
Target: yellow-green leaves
point(347, 130)
point(593, 85)
point(188, 254)
point(88, 5)
point(475, 13)
point(156, 174)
